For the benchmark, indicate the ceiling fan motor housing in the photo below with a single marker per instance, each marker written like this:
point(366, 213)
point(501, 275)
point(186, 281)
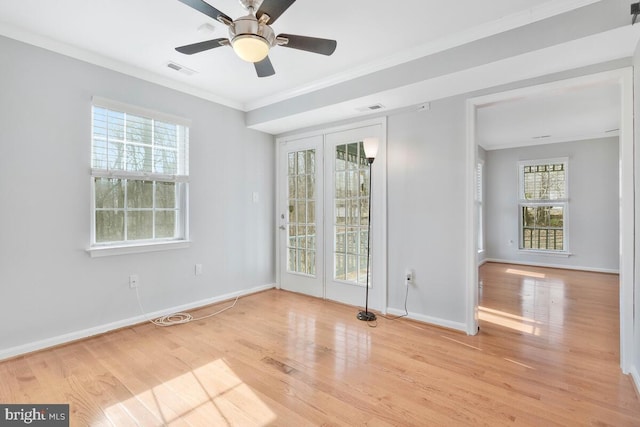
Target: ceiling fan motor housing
point(250, 26)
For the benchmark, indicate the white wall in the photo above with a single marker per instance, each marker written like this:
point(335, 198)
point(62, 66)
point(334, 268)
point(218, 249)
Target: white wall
point(49, 286)
point(593, 221)
point(635, 363)
point(482, 156)
point(426, 211)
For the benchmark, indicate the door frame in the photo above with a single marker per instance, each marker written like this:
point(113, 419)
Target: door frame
point(379, 190)
point(624, 78)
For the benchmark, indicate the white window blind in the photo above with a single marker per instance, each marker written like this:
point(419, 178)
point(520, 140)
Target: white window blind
point(140, 174)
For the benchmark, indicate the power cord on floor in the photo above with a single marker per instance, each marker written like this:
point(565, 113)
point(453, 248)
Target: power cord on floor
point(374, 323)
point(178, 318)
point(406, 312)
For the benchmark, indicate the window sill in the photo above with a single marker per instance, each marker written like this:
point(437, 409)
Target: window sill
point(100, 251)
point(546, 253)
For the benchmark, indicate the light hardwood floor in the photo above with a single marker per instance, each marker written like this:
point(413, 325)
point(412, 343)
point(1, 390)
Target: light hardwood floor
point(546, 355)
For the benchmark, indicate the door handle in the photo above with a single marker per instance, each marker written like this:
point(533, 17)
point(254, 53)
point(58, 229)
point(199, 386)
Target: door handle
point(282, 227)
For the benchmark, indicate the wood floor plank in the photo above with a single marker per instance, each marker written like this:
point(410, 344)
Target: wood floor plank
point(547, 354)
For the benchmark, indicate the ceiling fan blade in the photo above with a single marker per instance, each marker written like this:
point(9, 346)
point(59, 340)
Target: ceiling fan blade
point(205, 8)
point(264, 68)
point(273, 8)
point(190, 49)
point(310, 44)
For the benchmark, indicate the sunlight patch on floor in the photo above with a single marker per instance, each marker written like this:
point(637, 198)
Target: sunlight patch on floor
point(210, 395)
point(508, 320)
point(519, 363)
point(462, 343)
point(526, 273)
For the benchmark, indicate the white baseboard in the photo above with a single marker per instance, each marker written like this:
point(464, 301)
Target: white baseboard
point(101, 329)
point(430, 320)
point(635, 377)
point(546, 264)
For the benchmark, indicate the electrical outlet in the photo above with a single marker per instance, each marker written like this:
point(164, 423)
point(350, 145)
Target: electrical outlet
point(198, 269)
point(408, 277)
point(133, 281)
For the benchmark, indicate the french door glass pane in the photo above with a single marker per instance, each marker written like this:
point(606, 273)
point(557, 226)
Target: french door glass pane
point(351, 210)
point(301, 191)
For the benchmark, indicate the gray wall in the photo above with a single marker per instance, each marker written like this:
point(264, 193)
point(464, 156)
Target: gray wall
point(593, 222)
point(426, 210)
point(49, 286)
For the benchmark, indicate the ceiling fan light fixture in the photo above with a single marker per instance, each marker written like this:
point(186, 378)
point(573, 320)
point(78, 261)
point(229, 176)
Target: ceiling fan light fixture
point(250, 47)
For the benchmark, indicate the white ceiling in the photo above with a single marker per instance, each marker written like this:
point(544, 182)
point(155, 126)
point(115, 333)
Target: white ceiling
point(138, 37)
point(566, 114)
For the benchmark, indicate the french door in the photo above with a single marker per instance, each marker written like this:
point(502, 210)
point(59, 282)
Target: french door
point(323, 217)
point(300, 211)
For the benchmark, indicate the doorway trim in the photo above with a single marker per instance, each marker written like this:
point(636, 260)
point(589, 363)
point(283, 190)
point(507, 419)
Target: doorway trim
point(380, 186)
point(624, 78)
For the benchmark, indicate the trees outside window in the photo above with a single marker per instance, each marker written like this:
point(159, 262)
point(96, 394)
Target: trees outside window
point(543, 205)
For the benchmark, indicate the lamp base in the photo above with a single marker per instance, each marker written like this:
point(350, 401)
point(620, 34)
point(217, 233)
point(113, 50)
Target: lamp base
point(367, 316)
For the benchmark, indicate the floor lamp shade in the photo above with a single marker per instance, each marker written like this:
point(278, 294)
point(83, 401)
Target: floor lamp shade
point(370, 146)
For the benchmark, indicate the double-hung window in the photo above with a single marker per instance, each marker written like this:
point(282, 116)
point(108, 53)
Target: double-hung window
point(140, 174)
point(543, 207)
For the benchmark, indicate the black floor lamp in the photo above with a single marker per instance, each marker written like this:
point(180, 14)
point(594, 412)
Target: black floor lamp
point(370, 146)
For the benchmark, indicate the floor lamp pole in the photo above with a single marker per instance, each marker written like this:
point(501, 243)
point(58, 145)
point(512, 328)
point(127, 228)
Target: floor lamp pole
point(366, 315)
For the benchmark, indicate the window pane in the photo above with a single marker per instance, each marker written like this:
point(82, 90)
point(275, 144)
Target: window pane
point(340, 157)
point(115, 125)
point(109, 226)
point(138, 129)
point(311, 262)
point(109, 193)
point(352, 156)
point(165, 161)
point(340, 271)
point(544, 182)
point(139, 194)
point(165, 134)
point(311, 186)
point(311, 212)
point(165, 224)
point(362, 270)
point(291, 161)
point(139, 225)
point(138, 158)
point(292, 260)
point(165, 194)
point(543, 227)
point(115, 155)
point(302, 187)
point(311, 237)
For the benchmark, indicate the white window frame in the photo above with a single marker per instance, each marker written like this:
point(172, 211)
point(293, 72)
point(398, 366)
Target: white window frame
point(564, 203)
point(480, 203)
point(182, 180)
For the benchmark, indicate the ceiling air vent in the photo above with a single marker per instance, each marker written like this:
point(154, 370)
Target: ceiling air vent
point(181, 68)
point(374, 107)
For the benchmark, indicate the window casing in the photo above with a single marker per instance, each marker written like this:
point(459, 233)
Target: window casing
point(543, 206)
point(480, 203)
point(139, 176)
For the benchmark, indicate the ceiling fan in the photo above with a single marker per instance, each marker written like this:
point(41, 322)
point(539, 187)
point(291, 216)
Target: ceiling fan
point(251, 36)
